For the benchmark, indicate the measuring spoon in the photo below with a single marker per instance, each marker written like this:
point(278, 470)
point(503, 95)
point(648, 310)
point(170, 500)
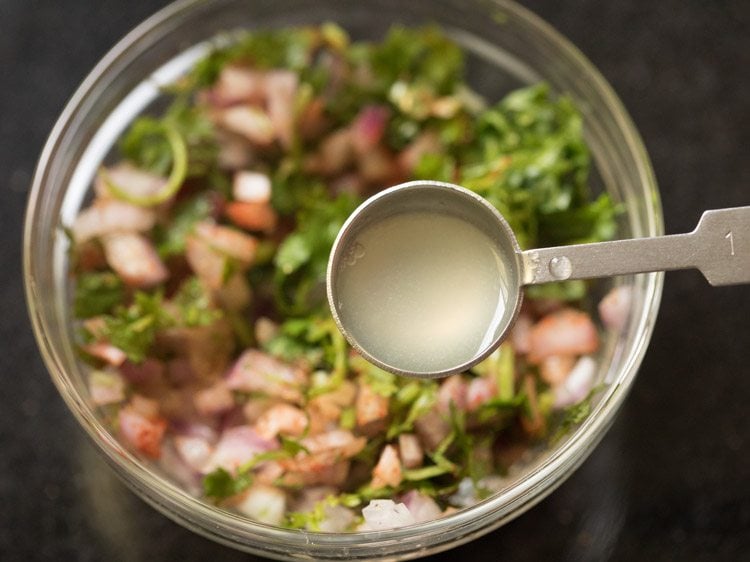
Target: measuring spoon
point(424, 278)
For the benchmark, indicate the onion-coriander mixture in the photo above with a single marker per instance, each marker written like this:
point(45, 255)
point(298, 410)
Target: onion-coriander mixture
point(199, 272)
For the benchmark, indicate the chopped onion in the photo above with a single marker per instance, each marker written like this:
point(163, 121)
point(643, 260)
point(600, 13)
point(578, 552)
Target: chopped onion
point(106, 387)
point(195, 451)
point(133, 181)
point(134, 259)
point(251, 187)
point(214, 400)
point(106, 352)
point(109, 216)
point(263, 503)
point(368, 127)
point(237, 446)
point(237, 85)
point(250, 122)
point(385, 514)
point(578, 384)
point(614, 308)
point(423, 508)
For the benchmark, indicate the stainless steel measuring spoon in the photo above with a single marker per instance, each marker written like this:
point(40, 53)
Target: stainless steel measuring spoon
point(719, 247)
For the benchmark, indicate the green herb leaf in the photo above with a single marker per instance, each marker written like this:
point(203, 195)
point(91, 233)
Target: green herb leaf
point(219, 484)
point(194, 304)
point(170, 240)
point(149, 148)
point(587, 222)
point(302, 258)
point(293, 253)
point(277, 48)
point(312, 519)
point(348, 418)
point(423, 56)
point(422, 403)
point(574, 415)
point(316, 340)
point(505, 374)
point(382, 382)
point(97, 293)
point(530, 160)
point(133, 328)
point(179, 157)
point(434, 166)
point(426, 472)
point(292, 447)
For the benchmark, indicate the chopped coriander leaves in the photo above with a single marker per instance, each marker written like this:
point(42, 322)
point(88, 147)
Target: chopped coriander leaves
point(423, 56)
point(148, 147)
point(220, 484)
point(194, 304)
point(170, 239)
point(97, 293)
point(574, 415)
point(315, 339)
point(412, 402)
point(530, 160)
point(302, 258)
point(133, 328)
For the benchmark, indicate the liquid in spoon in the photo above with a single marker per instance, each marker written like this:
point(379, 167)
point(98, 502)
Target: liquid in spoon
point(422, 291)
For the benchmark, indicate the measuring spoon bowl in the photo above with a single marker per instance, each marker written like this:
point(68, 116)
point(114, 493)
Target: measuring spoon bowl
point(410, 304)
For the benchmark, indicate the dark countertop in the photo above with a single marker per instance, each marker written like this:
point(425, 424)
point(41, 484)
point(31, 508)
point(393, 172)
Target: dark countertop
point(670, 481)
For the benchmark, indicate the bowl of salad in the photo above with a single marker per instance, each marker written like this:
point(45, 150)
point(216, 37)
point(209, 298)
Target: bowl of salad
point(176, 244)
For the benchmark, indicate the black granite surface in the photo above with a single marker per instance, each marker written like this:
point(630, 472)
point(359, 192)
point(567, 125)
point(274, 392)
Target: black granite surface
point(670, 481)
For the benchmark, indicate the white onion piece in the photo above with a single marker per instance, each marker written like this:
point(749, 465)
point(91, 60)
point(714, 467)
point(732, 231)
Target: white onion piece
point(465, 495)
point(256, 371)
point(423, 508)
point(410, 450)
point(213, 400)
point(262, 503)
point(108, 216)
point(236, 85)
point(251, 122)
point(578, 384)
point(106, 352)
point(228, 241)
point(172, 463)
point(131, 180)
point(281, 88)
point(337, 519)
point(106, 387)
point(194, 451)
point(385, 514)
point(520, 334)
point(134, 259)
point(251, 187)
point(614, 308)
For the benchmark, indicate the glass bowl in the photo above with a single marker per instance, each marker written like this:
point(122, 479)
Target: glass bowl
point(507, 47)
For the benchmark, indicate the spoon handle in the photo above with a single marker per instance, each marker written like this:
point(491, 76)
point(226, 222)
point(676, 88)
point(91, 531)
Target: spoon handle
point(719, 247)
